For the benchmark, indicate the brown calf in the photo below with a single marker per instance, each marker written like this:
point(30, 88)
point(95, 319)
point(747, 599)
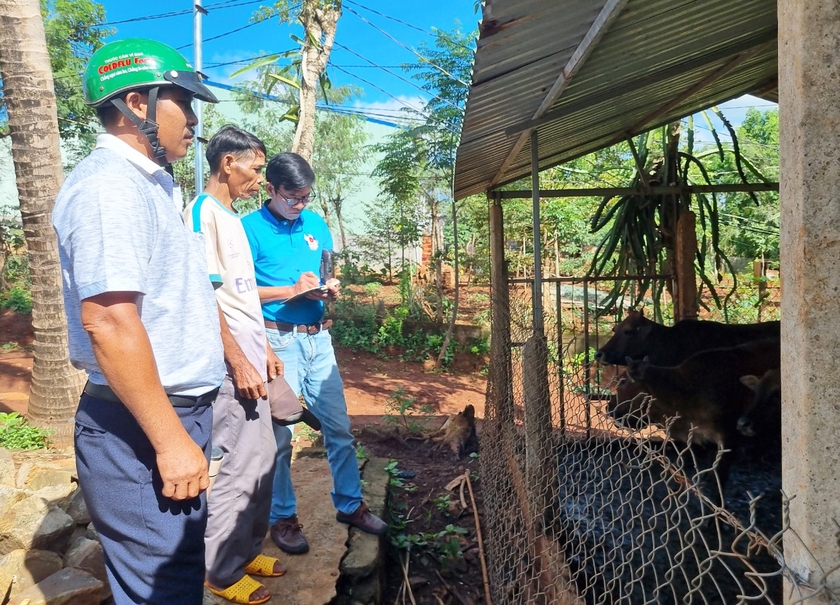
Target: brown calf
point(763, 413)
point(705, 392)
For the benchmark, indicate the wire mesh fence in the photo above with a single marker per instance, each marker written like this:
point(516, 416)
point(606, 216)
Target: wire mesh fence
point(582, 507)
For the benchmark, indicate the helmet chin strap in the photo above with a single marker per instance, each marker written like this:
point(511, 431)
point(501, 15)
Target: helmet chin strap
point(148, 127)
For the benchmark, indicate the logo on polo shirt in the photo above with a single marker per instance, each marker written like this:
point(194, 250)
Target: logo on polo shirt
point(232, 251)
point(313, 243)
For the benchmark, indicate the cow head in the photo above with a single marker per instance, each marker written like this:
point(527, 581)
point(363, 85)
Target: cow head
point(628, 340)
point(762, 414)
point(629, 406)
point(637, 368)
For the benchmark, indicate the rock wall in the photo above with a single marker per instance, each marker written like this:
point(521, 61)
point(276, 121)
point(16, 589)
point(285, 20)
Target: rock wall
point(49, 551)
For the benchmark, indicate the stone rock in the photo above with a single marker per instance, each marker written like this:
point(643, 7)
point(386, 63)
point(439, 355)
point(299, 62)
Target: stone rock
point(67, 587)
point(211, 599)
point(34, 524)
point(362, 555)
point(40, 477)
point(77, 509)
point(59, 495)
point(7, 468)
point(9, 496)
point(7, 580)
point(30, 567)
point(87, 555)
point(91, 533)
point(23, 474)
point(79, 532)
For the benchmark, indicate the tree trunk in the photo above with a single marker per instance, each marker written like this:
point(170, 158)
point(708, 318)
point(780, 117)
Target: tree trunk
point(319, 20)
point(451, 327)
point(437, 254)
point(33, 126)
point(340, 220)
point(325, 208)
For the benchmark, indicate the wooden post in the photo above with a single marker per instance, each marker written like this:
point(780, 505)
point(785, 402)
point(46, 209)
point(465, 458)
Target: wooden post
point(685, 305)
point(500, 384)
point(760, 278)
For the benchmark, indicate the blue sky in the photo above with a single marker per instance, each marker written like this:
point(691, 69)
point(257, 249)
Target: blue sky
point(409, 23)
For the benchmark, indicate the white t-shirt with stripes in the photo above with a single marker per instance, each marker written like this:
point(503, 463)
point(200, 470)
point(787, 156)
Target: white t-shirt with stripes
point(231, 269)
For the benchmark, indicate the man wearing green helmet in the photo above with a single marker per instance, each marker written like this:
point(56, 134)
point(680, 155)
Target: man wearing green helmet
point(143, 324)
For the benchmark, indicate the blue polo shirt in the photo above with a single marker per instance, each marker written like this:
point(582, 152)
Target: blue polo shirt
point(283, 250)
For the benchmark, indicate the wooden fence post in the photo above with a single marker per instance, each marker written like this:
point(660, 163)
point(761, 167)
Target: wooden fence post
point(685, 305)
point(500, 383)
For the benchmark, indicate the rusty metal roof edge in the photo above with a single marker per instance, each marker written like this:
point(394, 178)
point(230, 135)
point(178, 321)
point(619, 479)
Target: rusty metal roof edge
point(523, 171)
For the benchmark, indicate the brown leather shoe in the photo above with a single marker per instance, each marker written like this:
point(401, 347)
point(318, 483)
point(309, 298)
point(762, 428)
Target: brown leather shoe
point(364, 520)
point(288, 537)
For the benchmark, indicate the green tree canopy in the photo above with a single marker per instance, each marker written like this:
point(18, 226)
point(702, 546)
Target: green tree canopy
point(74, 31)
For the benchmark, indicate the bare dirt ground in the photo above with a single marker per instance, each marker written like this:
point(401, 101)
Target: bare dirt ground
point(436, 572)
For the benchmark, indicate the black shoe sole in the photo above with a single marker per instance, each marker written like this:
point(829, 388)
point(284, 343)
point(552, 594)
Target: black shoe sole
point(289, 551)
point(362, 529)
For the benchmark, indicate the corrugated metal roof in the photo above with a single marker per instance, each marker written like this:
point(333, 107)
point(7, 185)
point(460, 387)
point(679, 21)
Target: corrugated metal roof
point(653, 62)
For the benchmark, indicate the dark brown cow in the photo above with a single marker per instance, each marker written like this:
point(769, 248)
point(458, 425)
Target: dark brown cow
point(763, 414)
point(637, 337)
point(705, 392)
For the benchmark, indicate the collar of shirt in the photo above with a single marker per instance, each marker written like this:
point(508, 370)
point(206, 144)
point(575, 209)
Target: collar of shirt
point(143, 163)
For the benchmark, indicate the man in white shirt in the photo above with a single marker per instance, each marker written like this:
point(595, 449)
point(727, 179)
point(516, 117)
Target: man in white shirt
point(143, 323)
point(241, 498)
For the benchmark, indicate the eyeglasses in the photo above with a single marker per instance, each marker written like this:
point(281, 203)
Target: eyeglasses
point(294, 201)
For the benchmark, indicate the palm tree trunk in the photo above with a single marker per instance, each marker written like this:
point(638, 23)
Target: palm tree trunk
point(33, 126)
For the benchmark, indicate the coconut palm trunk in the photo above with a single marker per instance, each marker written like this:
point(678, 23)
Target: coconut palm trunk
point(33, 126)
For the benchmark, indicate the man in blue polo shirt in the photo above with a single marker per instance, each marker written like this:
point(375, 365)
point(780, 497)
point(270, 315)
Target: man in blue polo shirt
point(287, 242)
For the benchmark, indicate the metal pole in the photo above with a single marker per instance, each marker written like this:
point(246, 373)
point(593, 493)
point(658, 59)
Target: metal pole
point(535, 198)
point(198, 12)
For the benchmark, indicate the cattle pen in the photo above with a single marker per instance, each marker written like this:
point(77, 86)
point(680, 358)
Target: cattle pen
point(584, 510)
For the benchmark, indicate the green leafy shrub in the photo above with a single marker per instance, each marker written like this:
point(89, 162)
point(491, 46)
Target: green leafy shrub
point(17, 434)
point(401, 410)
point(17, 298)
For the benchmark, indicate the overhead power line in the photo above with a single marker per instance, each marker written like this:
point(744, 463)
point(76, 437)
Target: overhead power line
point(408, 48)
point(227, 33)
point(178, 13)
point(401, 22)
point(406, 80)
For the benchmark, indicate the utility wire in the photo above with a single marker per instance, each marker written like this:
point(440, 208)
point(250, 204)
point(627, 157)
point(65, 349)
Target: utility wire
point(406, 80)
point(228, 33)
point(414, 109)
point(408, 48)
point(420, 29)
point(178, 13)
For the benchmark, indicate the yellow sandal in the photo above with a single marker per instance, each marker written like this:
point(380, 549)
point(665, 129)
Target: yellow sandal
point(240, 592)
point(263, 566)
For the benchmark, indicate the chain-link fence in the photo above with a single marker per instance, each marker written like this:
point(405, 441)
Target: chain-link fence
point(580, 508)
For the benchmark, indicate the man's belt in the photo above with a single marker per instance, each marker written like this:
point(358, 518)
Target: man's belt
point(100, 391)
point(305, 328)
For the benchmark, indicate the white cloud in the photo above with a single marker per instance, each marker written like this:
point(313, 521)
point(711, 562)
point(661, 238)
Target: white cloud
point(392, 107)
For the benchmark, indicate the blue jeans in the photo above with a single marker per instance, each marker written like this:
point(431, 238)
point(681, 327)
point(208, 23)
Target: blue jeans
point(310, 368)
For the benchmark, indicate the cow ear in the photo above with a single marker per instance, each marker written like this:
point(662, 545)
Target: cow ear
point(750, 381)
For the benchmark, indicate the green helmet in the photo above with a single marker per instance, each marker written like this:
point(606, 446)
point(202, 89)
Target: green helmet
point(139, 63)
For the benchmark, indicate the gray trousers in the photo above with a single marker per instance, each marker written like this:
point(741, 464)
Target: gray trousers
point(239, 503)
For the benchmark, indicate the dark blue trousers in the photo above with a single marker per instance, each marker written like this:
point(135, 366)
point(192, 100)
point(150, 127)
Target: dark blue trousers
point(153, 546)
